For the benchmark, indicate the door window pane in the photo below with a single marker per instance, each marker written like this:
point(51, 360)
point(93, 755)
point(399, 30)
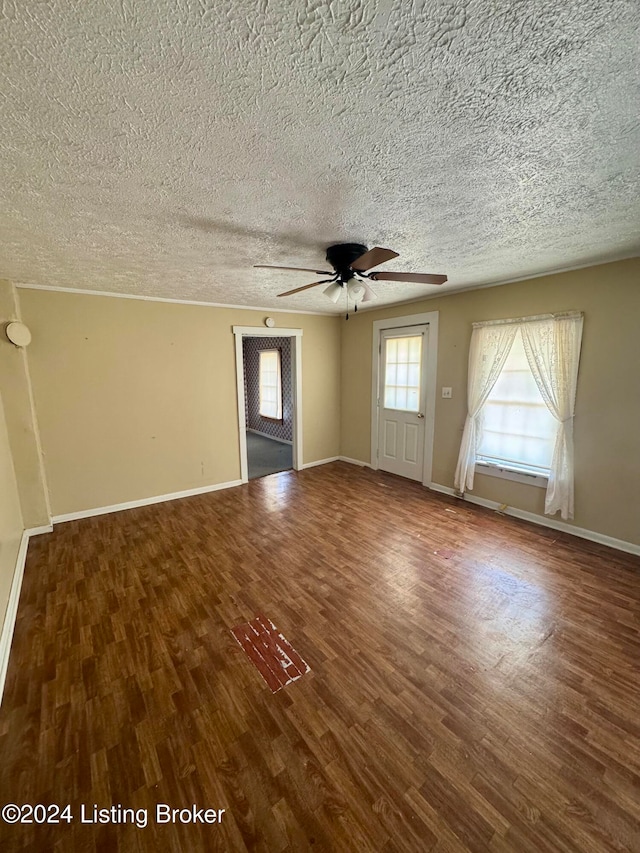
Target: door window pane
point(403, 360)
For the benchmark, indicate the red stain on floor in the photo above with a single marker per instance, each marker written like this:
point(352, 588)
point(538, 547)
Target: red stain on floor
point(273, 656)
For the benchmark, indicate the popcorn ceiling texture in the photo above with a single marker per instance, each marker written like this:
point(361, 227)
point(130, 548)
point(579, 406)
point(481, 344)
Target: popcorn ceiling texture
point(161, 149)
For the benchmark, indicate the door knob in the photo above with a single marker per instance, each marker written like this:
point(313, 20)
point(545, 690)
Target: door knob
point(420, 415)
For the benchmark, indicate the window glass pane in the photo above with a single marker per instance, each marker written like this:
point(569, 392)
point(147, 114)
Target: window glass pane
point(516, 424)
point(270, 384)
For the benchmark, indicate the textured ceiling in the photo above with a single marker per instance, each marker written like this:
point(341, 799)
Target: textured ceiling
point(161, 149)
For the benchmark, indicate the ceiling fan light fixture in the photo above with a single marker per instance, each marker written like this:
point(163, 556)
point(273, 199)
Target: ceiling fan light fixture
point(357, 290)
point(333, 291)
point(369, 295)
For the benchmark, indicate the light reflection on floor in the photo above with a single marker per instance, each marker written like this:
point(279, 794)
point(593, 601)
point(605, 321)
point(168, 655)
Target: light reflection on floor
point(501, 621)
point(275, 491)
point(507, 618)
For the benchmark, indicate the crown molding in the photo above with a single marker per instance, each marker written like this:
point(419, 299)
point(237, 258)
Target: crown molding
point(77, 290)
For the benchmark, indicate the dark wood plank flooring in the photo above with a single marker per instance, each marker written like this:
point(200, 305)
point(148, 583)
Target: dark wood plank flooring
point(474, 680)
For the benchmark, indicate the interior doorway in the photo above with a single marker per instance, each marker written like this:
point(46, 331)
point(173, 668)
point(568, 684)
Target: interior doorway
point(268, 373)
point(268, 395)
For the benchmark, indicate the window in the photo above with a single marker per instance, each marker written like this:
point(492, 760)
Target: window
point(270, 385)
point(402, 373)
point(506, 426)
point(517, 430)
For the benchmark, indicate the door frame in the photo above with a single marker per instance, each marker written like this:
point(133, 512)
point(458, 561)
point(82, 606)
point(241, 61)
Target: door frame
point(241, 332)
point(429, 319)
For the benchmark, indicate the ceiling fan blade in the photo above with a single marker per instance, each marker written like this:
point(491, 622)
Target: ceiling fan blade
point(305, 287)
point(372, 258)
point(416, 277)
point(295, 269)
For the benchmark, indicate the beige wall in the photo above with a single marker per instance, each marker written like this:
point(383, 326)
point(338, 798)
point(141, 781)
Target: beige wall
point(137, 399)
point(10, 517)
point(20, 417)
point(607, 425)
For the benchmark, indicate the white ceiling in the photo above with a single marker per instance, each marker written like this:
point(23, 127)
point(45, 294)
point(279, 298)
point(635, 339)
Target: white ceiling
point(162, 148)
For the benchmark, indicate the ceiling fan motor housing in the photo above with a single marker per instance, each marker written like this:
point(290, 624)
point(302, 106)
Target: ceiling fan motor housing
point(343, 255)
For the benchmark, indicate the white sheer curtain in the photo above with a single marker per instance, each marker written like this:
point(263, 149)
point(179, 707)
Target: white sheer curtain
point(490, 346)
point(553, 352)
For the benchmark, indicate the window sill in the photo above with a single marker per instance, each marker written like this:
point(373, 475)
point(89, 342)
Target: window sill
point(539, 480)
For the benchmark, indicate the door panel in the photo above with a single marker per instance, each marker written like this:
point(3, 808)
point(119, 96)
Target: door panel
point(402, 396)
point(390, 439)
point(411, 452)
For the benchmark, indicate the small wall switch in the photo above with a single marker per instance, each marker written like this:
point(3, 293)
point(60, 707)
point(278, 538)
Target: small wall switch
point(446, 393)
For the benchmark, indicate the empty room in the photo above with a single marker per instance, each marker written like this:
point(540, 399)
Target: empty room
point(320, 426)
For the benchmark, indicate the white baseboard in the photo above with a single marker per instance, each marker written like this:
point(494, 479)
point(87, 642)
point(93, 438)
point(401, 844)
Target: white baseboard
point(321, 462)
point(12, 610)
point(543, 521)
point(445, 490)
point(104, 510)
point(354, 462)
point(272, 437)
point(337, 459)
point(36, 531)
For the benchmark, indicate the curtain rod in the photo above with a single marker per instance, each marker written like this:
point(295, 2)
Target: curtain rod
point(534, 319)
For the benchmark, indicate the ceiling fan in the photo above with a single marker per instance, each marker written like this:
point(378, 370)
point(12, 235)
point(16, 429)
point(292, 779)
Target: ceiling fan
point(350, 262)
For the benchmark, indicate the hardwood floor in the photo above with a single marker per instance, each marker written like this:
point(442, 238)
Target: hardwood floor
point(474, 680)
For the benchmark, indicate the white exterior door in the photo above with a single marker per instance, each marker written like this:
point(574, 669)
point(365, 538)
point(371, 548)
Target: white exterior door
point(402, 400)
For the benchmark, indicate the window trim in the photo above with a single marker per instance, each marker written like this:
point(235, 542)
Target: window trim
point(280, 416)
point(507, 472)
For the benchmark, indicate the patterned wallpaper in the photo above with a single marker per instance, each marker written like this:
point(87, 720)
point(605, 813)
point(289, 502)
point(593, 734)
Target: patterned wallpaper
point(251, 349)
